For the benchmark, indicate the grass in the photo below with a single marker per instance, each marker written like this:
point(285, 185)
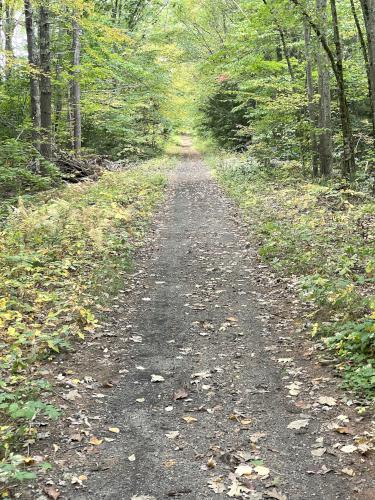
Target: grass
point(58, 261)
point(325, 236)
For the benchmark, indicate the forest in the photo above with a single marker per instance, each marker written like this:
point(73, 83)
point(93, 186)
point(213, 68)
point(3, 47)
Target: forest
point(278, 100)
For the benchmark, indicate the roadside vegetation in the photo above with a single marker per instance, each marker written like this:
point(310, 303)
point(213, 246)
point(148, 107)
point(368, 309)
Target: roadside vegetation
point(323, 235)
point(59, 260)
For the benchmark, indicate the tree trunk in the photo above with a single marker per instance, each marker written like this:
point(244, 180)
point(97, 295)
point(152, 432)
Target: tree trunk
point(1, 30)
point(45, 82)
point(34, 80)
point(75, 93)
point(336, 60)
point(310, 100)
point(348, 165)
point(368, 9)
point(59, 85)
point(325, 113)
point(9, 26)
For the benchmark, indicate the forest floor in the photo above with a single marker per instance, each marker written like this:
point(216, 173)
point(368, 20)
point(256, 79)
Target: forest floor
point(198, 386)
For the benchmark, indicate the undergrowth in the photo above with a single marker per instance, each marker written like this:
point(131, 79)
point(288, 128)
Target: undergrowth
point(325, 235)
point(57, 261)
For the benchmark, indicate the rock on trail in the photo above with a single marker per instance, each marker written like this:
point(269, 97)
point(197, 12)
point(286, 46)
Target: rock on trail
point(203, 412)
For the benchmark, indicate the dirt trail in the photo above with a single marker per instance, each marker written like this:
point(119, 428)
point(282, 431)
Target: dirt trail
point(199, 325)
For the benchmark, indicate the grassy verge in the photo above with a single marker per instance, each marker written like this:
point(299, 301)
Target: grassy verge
point(325, 236)
point(58, 260)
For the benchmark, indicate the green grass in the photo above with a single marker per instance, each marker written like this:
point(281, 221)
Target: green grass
point(325, 236)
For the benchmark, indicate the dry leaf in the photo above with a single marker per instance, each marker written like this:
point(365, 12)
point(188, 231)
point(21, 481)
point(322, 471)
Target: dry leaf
point(348, 472)
point(72, 395)
point(95, 441)
point(143, 497)
point(211, 464)
point(327, 401)
point(189, 419)
point(298, 424)
point(275, 494)
point(349, 448)
point(217, 484)
point(237, 489)
point(115, 430)
point(246, 421)
point(181, 393)
point(51, 492)
point(172, 434)
point(262, 471)
point(318, 452)
point(244, 470)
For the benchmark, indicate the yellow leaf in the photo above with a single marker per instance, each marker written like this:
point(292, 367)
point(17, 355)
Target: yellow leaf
point(115, 430)
point(95, 441)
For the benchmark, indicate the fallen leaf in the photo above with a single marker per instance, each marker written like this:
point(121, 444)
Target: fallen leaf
point(244, 470)
point(349, 448)
point(115, 430)
point(189, 419)
point(254, 438)
point(211, 464)
point(237, 489)
point(327, 401)
point(95, 441)
point(246, 421)
point(168, 464)
point(217, 484)
point(157, 378)
point(181, 393)
point(275, 494)
point(298, 424)
point(262, 471)
point(51, 492)
point(348, 472)
point(318, 452)
point(172, 434)
point(343, 430)
point(72, 395)
point(143, 497)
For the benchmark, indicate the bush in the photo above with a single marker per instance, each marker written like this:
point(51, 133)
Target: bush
point(23, 170)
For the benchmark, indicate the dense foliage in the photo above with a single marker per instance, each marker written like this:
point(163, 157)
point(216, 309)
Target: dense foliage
point(92, 82)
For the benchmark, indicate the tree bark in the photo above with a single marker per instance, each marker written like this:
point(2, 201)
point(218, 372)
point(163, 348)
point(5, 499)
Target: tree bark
point(310, 100)
point(45, 82)
point(75, 92)
point(9, 26)
point(349, 157)
point(34, 80)
point(325, 112)
point(336, 60)
point(368, 10)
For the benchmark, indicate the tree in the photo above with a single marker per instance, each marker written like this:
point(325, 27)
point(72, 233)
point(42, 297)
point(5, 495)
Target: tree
point(368, 9)
point(45, 81)
point(310, 99)
point(336, 60)
point(75, 88)
point(325, 114)
point(34, 74)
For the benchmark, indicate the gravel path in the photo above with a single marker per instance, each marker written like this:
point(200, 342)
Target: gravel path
point(219, 399)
